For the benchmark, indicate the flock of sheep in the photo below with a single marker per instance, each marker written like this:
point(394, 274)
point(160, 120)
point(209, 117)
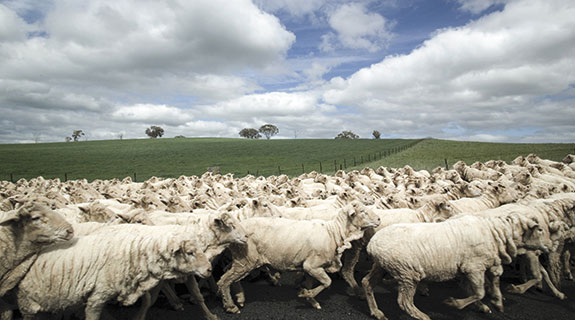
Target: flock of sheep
point(83, 244)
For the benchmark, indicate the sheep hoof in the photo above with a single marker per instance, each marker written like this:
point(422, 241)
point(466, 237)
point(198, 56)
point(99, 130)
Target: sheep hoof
point(450, 302)
point(379, 315)
point(304, 293)
point(513, 289)
point(232, 309)
point(561, 296)
point(485, 309)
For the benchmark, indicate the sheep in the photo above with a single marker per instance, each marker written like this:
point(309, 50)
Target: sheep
point(109, 265)
point(467, 245)
point(433, 211)
point(23, 233)
point(312, 246)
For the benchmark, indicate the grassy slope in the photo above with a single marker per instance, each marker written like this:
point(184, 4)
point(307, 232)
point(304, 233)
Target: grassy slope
point(174, 157)
point(430, 154)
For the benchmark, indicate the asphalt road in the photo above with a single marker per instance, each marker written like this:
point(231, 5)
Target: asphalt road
point(264, 301)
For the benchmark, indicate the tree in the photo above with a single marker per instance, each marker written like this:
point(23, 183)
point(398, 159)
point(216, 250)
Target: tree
point(68, 139)
point(347, 135)
point(250, 133)
point(77, 134)
point(269, 130)
point(376, 134)
point(155, 132)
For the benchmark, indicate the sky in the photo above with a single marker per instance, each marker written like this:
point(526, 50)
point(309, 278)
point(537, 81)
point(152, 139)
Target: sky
point(479, 70)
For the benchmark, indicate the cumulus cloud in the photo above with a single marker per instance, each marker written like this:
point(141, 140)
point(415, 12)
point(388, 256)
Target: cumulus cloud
point(150, 114)
point(356, 28)
point(487, 75)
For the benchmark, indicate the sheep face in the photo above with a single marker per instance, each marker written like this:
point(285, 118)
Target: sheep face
point(228, 229)
point(187, 259)
point(40, 224)
point(361, 217)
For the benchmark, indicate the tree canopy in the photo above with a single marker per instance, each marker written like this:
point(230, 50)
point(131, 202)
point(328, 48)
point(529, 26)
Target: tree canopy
point(77, 134)
point(250, 133)
point(155, 132)
point(347, 135)
point(269, 130)
point(376, 134)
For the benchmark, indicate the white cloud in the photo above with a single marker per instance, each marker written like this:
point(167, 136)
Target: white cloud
point(356, 28)
point(478, 6)
point(491, 74)
point(152, 114)
point(12, 27)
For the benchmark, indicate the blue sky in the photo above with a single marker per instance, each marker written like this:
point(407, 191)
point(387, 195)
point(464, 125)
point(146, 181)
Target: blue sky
point(486, 70)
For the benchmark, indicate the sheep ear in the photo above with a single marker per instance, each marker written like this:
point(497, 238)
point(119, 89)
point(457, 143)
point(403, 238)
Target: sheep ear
point(84, 209)
point(9, 216)
point(532, 224)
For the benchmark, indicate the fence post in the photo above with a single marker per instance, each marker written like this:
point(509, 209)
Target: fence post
point(65, 177)
point(257, 172)
point(279, 171)
point(135, 177)
point(446, 166)
point(334, 165)
point(248, 172)
point(354, 164)
point(320, 168)
point(302, 168)
point(344, 164)
point(11, 178)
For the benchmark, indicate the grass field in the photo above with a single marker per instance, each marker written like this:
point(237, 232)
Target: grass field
point(192, 156)
point(189, 156)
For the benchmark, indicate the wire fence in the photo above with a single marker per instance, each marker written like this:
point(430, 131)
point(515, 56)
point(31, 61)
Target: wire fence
point(327, 166)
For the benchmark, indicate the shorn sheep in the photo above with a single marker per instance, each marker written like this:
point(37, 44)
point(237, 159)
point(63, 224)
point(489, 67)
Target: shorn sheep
point(468, 245)
point(94, 269)
point(23, 233)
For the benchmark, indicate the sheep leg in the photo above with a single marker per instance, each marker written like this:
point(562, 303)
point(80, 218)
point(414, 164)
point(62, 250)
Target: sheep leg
point(567, 265)
point(144, 307)
point(240, 294)
point(350, 259)
point(194, 289)
point(406, 290)
point(311, 267)
point(171, 295)
point(368, 283)
point(493, 288)
point(549, 283)
point(533, 264)
point(555, 267)
point(238, 271)
point(476, 281)
point(94, 309)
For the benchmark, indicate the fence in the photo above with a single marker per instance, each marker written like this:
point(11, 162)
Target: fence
point(322, 166)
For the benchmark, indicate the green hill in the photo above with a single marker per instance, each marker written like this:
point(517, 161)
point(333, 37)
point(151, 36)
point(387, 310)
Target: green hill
point(193, 156)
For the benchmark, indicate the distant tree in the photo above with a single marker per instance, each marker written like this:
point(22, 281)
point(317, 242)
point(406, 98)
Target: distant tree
point(376, 134)
point(155, 132)
point(269, 130)
point(250, 133)
point(179, 137)
point(68, 139)
point(347, 135)
point(77, 134)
